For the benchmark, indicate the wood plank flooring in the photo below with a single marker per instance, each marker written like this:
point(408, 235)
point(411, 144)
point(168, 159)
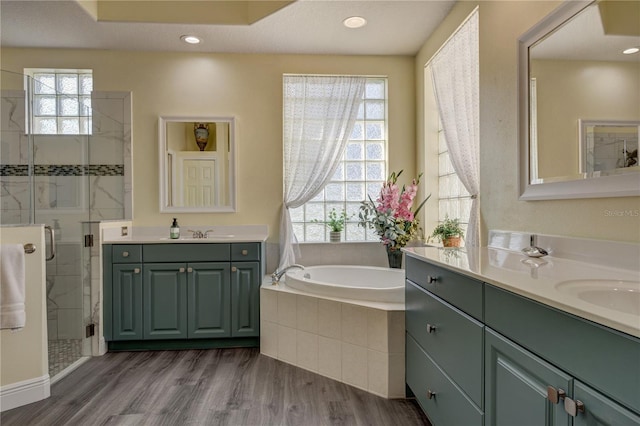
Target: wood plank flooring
point(206, 387)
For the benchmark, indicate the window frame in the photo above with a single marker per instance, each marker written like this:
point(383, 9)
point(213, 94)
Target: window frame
point(307, 222)
point(80, 101)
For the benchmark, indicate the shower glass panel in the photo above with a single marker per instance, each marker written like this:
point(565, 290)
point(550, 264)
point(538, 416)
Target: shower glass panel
point(64, 180)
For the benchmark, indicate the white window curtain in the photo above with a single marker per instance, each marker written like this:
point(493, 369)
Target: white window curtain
point(319, 114)
point(455, 78)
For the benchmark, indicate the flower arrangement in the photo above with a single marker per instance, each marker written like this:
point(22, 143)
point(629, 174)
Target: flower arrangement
point(390, 215)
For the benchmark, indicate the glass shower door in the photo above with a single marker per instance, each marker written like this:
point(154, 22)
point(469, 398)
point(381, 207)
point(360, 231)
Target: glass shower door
point(62, 190)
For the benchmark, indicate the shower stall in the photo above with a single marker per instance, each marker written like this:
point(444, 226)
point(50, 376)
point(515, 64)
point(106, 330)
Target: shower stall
point(65, 167)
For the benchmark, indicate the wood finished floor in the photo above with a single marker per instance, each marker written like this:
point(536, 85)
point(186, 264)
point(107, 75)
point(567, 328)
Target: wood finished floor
point(206, 387)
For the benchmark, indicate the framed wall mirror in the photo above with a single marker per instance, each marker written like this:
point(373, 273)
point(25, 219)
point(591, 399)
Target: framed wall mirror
point(197, 164)
point(573, 74)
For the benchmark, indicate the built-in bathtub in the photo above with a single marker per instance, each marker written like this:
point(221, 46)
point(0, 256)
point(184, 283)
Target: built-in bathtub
point(365, 283)
point(343, 322)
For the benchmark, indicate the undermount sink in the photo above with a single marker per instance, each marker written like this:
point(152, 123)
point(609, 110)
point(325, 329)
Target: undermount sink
point(617, 295)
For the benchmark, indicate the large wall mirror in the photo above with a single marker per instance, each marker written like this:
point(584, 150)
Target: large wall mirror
point(579, 101)
point(197, 164)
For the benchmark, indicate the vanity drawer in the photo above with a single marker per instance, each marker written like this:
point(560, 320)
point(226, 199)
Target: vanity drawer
point(606, 359)
point(448, 406)
point(245, 252)
point(450, 337)
point(126, 253)
point(463, 292)
point(179, 252)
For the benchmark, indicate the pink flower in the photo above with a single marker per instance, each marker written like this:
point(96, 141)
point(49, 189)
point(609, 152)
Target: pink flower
point(389, 198)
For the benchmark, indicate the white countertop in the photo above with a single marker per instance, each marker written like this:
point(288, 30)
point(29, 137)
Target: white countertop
point(536, 279)
point(160, 235)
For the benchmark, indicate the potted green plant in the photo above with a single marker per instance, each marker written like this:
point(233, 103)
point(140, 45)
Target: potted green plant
point(335, 224)
point(449, 232)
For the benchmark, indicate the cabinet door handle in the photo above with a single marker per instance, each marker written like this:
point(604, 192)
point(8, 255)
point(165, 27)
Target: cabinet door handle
point(431, 328)
point(430, 394)
point(136, 270)
point(573, 407)
point(431, 279)
point(234, 269)
point(181, 269)
point(189, 269)
point(125, 254)
point(555, 395)
point(245, 252)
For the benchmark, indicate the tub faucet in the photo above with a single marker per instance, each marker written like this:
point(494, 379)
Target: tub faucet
point(533, 250)
point(275, 277)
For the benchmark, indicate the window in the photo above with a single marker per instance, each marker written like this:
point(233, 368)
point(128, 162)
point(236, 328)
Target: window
point(361, 173)
point(454, 200)
point(61, 101)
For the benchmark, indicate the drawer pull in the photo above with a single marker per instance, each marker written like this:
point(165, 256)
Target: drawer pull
point(245, 252)
point(431, 328)
point(234, 269)
point(573, 407)
point(555, 395)
point(125, 254)
point(189, 269)
point(136, 270)
point(430, 394)
point(181, 269)
point(431, 279)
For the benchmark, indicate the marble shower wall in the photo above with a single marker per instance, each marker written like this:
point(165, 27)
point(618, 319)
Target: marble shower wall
point(76, 178)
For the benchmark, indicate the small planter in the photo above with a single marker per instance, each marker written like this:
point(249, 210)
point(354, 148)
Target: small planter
point(335, 236)
point(451, 242)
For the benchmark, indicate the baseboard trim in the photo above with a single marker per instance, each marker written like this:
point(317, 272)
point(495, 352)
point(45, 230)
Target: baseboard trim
point(102, 346)
point(25, 392)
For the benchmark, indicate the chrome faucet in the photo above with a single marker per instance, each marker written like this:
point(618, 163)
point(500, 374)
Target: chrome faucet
point(533, 250)
point(199, 234)
point(195, 234)
point(275, 277)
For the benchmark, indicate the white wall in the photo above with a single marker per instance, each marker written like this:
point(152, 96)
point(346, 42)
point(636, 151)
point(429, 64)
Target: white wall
point(247, 86)
point(24, 375)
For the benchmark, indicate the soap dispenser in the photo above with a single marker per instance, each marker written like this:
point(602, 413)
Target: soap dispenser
point(174, 231)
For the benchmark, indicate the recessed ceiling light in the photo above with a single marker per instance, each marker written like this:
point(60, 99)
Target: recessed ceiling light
point(631, 50)
point(355, 22)
point(190, 39)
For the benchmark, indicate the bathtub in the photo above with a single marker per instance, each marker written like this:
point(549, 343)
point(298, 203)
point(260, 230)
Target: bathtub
point(367, 283)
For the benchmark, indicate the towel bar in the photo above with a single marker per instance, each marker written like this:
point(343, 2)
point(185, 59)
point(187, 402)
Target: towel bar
point(29, 248)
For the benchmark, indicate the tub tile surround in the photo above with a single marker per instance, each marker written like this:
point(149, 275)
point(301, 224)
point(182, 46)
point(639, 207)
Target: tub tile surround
point(362, 346)
point(503, 265)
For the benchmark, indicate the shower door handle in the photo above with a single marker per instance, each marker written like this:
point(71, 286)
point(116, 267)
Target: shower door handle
point(52, 241)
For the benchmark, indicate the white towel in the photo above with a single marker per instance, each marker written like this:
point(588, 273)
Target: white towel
point(12, 286)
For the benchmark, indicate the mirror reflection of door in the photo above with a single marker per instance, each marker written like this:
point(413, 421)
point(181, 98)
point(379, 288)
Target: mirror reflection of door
point(199, 183)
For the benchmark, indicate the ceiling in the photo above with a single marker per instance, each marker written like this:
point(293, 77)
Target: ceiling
point(394, 27)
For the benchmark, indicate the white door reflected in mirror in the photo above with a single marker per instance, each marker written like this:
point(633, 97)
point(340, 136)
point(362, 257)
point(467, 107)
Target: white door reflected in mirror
point(197, 164)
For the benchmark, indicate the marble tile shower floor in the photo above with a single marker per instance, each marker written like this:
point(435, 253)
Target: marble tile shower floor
point(63, 353)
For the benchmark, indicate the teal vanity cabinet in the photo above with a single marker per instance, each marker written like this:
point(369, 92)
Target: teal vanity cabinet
point(202, 294)
point(246, 276)
point(444, 343)
point(480, 355)
point(556, 367)
point(126, 293)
